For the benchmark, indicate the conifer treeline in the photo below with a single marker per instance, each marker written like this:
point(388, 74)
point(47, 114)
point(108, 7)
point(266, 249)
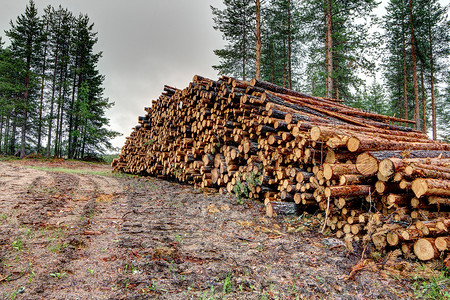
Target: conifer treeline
point(51, 94)
point(331, 47)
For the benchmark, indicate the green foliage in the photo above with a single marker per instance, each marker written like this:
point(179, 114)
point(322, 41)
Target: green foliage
point(108, 158)
point(227, 286)
point(353, 47)
point(149, 142)
point(50, 87)
point(239, 189)
point(17, 244)
point(245, 183)
point(282, 42)
point(372, 99)
point(434, 288)
point(236, 22)
point(58, 275)
point(428, 20)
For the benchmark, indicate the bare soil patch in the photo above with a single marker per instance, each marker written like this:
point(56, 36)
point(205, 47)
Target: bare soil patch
point(82, 232)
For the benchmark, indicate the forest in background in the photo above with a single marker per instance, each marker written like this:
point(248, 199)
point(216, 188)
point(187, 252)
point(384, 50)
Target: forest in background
point(396, 64)
point(51, 94)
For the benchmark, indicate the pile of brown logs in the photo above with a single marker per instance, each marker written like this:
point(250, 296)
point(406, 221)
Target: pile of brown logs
point(373, 178)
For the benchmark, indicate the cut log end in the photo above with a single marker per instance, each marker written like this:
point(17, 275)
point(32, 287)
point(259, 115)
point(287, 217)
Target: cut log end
point(353, 144)
point(386, 168)
point(442, 243)
point(315, 133)
point(419, 187)
point(366, 164)
point(424, 249)
point(392, 238)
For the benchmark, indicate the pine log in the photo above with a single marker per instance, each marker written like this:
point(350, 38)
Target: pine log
point(366, 164)
point(363, 143)
point(425, 250)
point(438, 200)
point(389, 166)
point(335, 170)
point(352, 179)
point(442, 243)
point(281, 208)
point(347, 190)
point(431, 187)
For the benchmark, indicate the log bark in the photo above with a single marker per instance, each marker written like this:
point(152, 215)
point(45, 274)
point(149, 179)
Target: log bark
point(347, 191)
point(281, 208)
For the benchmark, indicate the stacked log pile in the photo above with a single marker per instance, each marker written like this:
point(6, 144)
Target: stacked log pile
point(373, 180)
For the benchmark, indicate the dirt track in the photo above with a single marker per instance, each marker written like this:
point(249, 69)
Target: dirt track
point(87, 234)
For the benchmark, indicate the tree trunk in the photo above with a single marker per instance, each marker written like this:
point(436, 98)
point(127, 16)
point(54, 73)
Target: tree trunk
point(289, 47)
point(414, 61)
point(52, 101)
point(58, 115)
point(6, 134)
point(1, 131)
point(12, 146)
point(433, 100)
point(41, 100)
point(71, 113)
point(424, 104)
point(258, 40)
point(25, 106)
point(329, 50)
point(244, 45)
point(405, 79)
point(284, 63)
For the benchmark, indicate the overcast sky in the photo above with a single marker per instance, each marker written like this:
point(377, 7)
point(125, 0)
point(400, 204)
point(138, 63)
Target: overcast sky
point(146, 44)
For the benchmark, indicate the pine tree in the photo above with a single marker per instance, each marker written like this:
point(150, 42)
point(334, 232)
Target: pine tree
point(443, 111)
point(237, 22)
point(44, 41)
point(11, 89)
point(281, 43)
point(418, 48)
point(434, 49)
point(86, 126)
point(24, 37)
point(52, 65)
point(336, 32)
point(397, 62)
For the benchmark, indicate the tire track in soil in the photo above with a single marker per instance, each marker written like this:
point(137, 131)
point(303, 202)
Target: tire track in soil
point(181, 244)
point(91, 254)
point(67, 224)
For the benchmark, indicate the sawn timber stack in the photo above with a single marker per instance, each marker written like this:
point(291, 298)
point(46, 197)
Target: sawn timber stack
point(374, 178)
